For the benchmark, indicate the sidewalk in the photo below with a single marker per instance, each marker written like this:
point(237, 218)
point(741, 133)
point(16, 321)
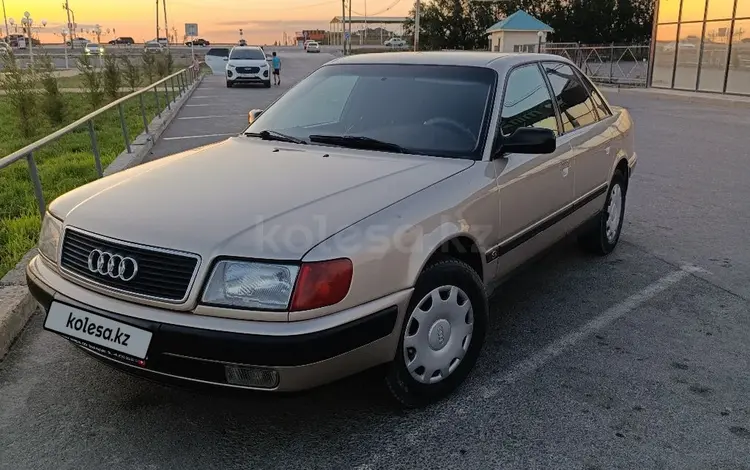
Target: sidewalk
point(690, 96)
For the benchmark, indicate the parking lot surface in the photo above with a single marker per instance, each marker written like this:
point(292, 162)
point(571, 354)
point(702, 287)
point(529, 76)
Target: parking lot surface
point(216, 112)
point(637, 360)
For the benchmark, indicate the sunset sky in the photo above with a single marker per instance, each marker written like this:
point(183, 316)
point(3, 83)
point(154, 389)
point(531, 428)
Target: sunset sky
point(218, 20)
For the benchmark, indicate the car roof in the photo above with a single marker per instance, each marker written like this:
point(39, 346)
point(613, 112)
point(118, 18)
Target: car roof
point(488, 59)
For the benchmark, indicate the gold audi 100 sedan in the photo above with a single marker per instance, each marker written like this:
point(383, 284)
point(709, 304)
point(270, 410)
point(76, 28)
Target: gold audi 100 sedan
point(359, 221)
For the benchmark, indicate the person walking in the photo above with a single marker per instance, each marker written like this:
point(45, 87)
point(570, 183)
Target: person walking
point(276, 61)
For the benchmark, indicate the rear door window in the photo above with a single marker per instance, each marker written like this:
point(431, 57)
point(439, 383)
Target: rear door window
point(218, 52)
point(577, 109)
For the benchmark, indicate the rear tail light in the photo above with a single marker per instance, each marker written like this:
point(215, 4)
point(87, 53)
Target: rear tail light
point(321, 284)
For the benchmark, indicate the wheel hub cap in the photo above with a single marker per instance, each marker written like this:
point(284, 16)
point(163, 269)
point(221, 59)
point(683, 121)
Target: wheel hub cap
point(438, 334)
point(614, 213)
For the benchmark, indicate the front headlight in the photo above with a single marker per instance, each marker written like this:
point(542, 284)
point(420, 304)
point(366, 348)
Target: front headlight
point(251, 285)
point(49, 237)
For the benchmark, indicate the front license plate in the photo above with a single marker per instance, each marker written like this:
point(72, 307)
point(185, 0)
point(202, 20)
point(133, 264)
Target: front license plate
point(98, 330)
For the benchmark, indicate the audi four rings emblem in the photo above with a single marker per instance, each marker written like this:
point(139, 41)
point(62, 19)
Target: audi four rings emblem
point(112, 265)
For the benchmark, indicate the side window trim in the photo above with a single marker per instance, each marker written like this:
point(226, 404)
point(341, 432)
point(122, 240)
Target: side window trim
point(589, 85)
point(555, 104)
point(585, 87)
point(500, 98)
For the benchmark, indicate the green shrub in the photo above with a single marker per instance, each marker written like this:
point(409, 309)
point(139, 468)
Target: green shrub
point(91, 81)
point(111, 77)
point(162, 67)
point(52, 101)
point(131, 73)
point(19, 85)
point(149, 66)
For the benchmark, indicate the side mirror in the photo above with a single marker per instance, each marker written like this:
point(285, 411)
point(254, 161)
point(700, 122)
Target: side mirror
point(528, 140)
point(253, 115)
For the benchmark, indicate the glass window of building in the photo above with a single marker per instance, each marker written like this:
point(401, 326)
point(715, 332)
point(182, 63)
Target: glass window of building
point(702, 45)
point(719, 9)
point(669, 11)
point(738, 80)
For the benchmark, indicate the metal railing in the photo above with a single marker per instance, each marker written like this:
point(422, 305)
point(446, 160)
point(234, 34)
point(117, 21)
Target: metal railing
point(607, 65)
point(184, 79)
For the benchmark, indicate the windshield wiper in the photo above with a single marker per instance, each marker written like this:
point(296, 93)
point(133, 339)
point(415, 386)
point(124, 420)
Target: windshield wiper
point(357, 142)
point(274, 135)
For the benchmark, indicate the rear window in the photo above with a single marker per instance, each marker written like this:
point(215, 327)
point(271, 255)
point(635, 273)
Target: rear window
point(248, 54)
point(218, 52)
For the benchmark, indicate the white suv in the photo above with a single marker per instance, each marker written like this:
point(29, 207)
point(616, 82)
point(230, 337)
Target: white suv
point(247, 64)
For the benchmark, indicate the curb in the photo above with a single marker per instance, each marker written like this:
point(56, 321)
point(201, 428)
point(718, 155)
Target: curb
point(16, 303)
point(734, 101)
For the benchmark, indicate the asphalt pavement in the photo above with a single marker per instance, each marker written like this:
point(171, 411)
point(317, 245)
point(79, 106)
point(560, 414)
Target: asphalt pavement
point(215, 112)
point(636, 360)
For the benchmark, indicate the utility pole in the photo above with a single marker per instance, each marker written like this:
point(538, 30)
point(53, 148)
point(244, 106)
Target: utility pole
point(350, 27)
point(157, 21)
point(71, 27)
point(5, 17)
point(416, 25)
point(343, 24)
point(166, 27)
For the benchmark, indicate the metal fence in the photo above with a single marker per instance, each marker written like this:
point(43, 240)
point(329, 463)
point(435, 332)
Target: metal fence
point(179, 82)
point(607, 65)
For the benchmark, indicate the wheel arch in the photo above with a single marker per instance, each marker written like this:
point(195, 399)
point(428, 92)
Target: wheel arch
point(459, 245)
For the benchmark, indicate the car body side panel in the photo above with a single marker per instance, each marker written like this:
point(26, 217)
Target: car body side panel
point(390, 248)
point(594, 170)
point(532, 189)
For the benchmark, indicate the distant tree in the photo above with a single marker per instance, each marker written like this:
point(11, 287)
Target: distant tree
point(462, 24)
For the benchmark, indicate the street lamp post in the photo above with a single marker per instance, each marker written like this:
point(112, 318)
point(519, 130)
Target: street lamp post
point(65, 32)
point(539, 34)
point(416, 24)
point(27, 21)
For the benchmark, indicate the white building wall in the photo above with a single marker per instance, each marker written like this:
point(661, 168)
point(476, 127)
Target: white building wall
point(506, 41)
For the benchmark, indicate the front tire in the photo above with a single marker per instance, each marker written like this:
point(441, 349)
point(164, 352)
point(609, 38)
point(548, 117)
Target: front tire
point(603, 237)
point(441, 336)
point(229, 84)
point(267, 84)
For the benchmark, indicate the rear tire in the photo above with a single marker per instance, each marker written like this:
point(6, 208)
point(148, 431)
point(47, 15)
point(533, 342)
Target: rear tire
point(441, 336)
point(605, 234)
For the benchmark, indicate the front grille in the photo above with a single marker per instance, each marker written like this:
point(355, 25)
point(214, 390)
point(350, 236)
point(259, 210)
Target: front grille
point(162, 275)
point(248, 69)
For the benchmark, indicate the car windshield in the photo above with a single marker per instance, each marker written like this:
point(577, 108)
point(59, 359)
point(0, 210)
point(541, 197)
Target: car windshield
point(247, 54)
point(422, 109)
point(91, 44)
point(218, 52)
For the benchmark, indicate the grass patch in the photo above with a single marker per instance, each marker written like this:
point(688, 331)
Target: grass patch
point(63, 165)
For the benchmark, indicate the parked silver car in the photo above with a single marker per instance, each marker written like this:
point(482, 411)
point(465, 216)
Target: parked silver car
point(337, 234)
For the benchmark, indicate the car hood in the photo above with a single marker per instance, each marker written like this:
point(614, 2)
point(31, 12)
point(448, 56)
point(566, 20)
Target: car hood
point(247, 62)
point(248, 198)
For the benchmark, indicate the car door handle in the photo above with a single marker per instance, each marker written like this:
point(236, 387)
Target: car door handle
point(565, 168)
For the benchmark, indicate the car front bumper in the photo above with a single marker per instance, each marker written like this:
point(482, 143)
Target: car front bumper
point(185, 350)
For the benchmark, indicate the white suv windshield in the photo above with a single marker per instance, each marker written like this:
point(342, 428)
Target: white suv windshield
point(247, 54)
point(424, 109)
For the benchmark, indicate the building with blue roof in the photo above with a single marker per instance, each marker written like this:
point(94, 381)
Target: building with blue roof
point(519, 32)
